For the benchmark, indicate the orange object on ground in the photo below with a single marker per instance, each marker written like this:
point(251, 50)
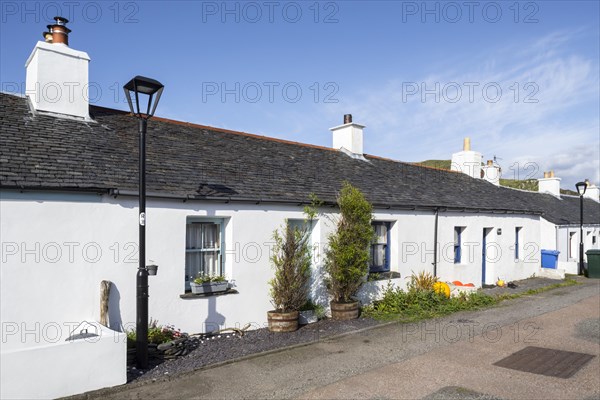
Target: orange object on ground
point(469, 285)
point(458, 283)
point(441, 287)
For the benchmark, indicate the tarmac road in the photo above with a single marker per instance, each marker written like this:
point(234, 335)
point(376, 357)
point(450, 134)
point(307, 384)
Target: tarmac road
point(449, 357)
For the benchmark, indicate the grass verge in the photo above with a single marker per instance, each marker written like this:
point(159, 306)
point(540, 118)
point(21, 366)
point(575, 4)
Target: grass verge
point(417, 304)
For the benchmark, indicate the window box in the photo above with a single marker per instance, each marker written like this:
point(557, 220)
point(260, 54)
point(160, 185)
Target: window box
point(209, 287)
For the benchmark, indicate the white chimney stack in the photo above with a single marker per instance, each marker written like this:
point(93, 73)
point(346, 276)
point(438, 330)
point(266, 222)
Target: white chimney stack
point(348, 136)
point(549, 184)
point(467, 161)
point(57, 76)
point(492, 173)
point(592, 192)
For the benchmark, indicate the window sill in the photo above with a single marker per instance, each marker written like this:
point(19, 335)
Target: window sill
point(190, 295)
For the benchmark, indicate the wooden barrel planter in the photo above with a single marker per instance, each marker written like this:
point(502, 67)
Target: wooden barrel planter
point(283, 321)
point(344, 311)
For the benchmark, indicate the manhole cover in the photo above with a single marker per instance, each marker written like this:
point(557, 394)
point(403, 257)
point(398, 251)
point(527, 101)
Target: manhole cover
point(548, 362)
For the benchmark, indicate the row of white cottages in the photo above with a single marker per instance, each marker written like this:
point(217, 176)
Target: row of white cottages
point(68, 175)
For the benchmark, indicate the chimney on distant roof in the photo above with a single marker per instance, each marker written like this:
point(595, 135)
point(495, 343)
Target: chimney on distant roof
point(467, 161)
point(492, 172)
point(348, 136)
point(592, 191)
point(549, 184)
point(57, 75)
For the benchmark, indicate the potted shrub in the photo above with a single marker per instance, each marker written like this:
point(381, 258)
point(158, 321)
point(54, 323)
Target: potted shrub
point(347, 258)
point(207, 284)
point(291, 261)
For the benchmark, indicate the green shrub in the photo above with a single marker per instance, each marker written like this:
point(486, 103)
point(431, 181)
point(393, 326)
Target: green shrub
point(157, 334)
point(318, 309)
point(347, 256)
point(422, 281)
point(291, 260)
point(206, 278)
point(417, 304)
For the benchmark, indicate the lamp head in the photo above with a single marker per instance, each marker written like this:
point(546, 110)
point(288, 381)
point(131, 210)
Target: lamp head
point(581, 187)
point(148, 87)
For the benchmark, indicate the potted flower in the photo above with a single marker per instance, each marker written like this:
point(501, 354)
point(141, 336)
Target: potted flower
point(291, 260)
point(347, 258)
point(208, 284)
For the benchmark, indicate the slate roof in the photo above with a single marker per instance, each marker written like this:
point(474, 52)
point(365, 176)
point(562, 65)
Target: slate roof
point(198, 162)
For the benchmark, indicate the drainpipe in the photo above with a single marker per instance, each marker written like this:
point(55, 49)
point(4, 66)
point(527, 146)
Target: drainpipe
point(435, 240)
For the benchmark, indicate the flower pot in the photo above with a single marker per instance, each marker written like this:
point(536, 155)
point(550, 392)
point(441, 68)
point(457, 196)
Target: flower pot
point(283, 321)
point(307, 317)
point(209, 287)
point(152, 269)
point(344, 311)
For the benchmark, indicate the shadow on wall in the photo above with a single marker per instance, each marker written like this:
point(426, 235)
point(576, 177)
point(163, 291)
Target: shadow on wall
point(318, 291)
point(214, 321)
point(370, 292)
point(114, 310)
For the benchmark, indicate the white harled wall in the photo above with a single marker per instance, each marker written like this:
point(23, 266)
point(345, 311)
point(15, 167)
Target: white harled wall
point(57, 248)
point(73, 242)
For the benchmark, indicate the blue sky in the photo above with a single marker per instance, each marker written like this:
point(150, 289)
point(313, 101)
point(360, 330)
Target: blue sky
point(520, 78)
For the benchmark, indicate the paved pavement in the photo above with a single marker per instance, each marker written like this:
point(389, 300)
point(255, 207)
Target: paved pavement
point(450, 357)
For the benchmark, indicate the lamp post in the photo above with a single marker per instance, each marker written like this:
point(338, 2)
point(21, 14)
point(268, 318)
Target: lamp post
point(581, 188)
point(152, 90)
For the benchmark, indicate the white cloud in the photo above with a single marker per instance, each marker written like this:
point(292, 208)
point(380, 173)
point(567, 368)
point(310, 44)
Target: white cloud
point(545, 113)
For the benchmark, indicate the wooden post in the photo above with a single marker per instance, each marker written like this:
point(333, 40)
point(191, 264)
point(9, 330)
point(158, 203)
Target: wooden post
point(104, 295)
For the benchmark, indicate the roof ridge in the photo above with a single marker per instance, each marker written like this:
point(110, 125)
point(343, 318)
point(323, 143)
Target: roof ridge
point(252, 135)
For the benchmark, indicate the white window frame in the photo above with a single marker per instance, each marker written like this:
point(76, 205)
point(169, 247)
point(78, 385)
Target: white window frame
point(572, 244)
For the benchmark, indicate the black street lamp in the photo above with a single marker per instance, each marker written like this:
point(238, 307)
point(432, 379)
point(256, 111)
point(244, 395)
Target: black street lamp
point(152, 90)
point(581, 188)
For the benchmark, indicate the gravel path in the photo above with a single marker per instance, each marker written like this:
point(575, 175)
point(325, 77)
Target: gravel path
point(229, 347)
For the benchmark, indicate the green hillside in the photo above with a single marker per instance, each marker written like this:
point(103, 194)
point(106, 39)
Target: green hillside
point(525, 184)
point(442, 164)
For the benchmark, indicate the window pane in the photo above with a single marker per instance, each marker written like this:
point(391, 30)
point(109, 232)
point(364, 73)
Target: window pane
point(211, 236)
point(192, 237)
point(378, 255)
point(211, 263)
point(380, 233)
point(193, 265)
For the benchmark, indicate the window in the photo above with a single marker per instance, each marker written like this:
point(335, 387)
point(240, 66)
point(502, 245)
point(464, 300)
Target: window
point(457, 243)
point(380, 256)
point(572, 245)
point(517, 241)
point(203, 249)
point(299, 224)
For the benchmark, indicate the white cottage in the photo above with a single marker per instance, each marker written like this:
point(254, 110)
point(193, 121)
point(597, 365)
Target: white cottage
point(68, 176)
